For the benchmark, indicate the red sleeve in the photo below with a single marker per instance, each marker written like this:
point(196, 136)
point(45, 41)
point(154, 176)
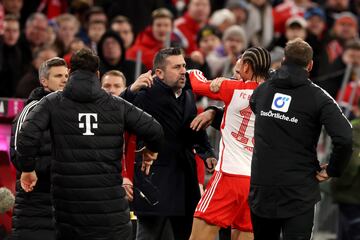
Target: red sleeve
point(200, 168)
point(201, 86)
point(129, 156)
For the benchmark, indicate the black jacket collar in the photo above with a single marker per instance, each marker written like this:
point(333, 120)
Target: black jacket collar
point(290, 76)
point(83, 86)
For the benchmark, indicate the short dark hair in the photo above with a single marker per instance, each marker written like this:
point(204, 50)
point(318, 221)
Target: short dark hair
point(84, 59)
point(259, 59)
point(44, 68)
point(93, 10)
point(298, 52)
point(163, 54)
point(120, 19)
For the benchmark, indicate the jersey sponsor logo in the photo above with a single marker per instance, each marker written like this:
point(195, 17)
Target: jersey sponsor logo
point(281, 102)
point(199, 75)
point(88, 124)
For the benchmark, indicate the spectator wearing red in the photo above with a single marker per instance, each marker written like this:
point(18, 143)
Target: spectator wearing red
point(153, 38)
point(187, 26)
point(287, 9)
point(1, 19)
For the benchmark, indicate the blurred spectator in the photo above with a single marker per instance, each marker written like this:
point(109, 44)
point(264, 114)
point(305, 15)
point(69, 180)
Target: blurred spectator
point(138, 11)
point(260, 24)
point(79, 9)
point(223, 59)
point(295, 28)
point(187, 26)
point(50, 8)
point(96, 13)
point(334, 7)
point(346, 27)
point(95, 25)
point(67, 27)
point(1, 19)
point(30, 80)
point(346, 190)
point(75, 46)
point(316, 21)
point(13, 7)
point(112, 54)
point(96, 29)
point(11, 67)
point(222, 19)
point(35, 35)
point(123, 27)
point(332, 81)
point(153, 38)
point(240, 8)
point(344, 30)
point(208, 39)
point(287, 9)
point(316, 35)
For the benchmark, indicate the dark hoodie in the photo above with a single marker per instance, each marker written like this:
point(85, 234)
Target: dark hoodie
point(87, 127)
point(127, 67)
point(33, 216)
point(290, 111)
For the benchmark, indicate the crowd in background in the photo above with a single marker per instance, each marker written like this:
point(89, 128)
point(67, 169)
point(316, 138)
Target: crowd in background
point(213, 35)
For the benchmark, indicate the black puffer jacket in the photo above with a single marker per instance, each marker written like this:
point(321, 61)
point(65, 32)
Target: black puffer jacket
point(87, 127)
point(33, 215)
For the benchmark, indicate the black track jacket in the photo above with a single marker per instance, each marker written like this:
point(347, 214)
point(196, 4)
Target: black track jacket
point(290, 112)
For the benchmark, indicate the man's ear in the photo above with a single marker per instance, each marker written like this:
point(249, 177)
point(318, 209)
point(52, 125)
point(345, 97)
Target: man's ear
point(310, 66)
point(98, 73)
point(159, 73)
point(247, 68)
point(44, 82)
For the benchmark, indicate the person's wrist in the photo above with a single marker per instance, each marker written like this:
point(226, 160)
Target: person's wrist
point(133, 88)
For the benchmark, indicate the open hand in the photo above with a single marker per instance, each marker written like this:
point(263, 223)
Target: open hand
point(211, 164)
point(145, 80)
point(203, 120)
point(128, 186)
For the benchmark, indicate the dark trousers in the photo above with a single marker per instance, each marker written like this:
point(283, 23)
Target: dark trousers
point(294, 228)
point(349, 222)
point(163, 228)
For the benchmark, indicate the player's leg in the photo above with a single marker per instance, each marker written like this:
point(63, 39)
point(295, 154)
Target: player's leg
point(242, 226)
point(201, 230)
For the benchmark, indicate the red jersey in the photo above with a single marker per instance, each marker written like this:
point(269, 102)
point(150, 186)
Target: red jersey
point(237, 127)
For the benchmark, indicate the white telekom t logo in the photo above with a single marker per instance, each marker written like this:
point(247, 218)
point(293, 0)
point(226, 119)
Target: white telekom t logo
point(88, 125)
